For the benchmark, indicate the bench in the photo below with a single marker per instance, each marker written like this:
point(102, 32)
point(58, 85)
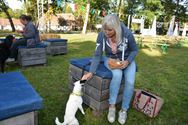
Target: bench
point(19, 101)
point(56, 46)
point(96, 90)
point(32, 56)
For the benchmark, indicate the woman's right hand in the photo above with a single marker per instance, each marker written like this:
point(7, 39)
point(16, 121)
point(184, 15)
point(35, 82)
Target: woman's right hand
point(87, 76)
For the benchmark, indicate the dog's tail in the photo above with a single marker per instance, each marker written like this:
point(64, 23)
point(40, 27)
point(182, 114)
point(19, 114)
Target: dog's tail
point(57, 121)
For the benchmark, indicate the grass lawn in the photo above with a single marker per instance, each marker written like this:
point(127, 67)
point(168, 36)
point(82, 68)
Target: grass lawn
point(165, 75)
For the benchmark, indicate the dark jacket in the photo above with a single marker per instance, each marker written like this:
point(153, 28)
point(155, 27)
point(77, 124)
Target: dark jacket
point(31, 32)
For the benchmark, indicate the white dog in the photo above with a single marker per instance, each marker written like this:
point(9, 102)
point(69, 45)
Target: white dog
point(74, 103)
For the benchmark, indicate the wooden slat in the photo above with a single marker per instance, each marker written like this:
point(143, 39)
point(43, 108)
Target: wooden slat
point(22, 119)
point(33, 62)
point(100, 106)
point(99, 95)
point(34, 57)
point(31, 51)
point(58, 43)
point(99, 83)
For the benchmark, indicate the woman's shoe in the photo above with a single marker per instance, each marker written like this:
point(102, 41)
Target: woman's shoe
point(122, 117)
point(111, 115)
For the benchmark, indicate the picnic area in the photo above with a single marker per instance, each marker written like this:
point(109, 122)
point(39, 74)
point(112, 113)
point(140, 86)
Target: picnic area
point(35, 87)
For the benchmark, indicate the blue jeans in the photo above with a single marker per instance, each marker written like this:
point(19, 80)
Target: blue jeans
point(14, 47)
point(129, 77)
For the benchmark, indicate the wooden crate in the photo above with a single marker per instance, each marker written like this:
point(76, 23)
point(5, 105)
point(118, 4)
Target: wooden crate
point(32, 56)
point(55, 50)
point(23, 119)
point(19, 102)
point(56, 46)
point(96, 90)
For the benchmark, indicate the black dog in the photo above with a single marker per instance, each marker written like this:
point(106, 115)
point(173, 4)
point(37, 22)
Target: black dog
point(5, 50)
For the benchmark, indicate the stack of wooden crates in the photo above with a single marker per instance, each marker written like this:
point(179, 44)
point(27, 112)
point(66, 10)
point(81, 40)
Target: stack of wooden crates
point(96, 90)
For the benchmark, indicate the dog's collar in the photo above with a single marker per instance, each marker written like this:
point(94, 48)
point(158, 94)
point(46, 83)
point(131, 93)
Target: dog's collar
point(77, 93)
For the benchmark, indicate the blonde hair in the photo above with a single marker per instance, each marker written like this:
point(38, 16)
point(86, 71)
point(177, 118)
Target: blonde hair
point(113, 22)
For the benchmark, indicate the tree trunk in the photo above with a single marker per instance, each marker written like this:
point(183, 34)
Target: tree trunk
point(5, 9)
point(86, 18)
point(119, 7)
point(177, 7)
point(10, 20)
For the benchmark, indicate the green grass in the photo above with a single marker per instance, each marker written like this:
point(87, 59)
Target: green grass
point(165, 75)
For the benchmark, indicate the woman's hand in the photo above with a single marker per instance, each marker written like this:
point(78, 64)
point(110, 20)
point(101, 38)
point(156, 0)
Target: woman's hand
point(87, 76)
point(125, 64)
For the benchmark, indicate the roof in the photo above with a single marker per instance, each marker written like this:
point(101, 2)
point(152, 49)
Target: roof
point(5, 21)
point(67, 16)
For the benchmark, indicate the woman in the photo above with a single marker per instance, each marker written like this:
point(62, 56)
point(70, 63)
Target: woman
point(29, 32)
point(117, 42)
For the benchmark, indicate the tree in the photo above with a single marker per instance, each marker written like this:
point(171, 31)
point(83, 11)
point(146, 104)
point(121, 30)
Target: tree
point(13, 13)
point(95, 11)
point(86, 18)
point(4, 8)
point(119, 7)
point(62, 21)
point(131, 7)
point(150, 9)
point(173, 7)
point(30, 7)
point(48, 18)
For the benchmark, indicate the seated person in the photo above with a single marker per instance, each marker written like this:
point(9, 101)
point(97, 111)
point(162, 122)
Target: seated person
point(118, 43)
point(30, 32)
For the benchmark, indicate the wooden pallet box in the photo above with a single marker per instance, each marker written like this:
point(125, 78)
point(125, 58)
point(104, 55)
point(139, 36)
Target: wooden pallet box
point(56, 46)
point(55, 50)
point(32, 56)
point(19, 102)
point(96, 90)
point(29, 118)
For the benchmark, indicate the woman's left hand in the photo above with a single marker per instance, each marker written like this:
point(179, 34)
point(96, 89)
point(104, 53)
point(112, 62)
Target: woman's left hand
point(125, 64)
